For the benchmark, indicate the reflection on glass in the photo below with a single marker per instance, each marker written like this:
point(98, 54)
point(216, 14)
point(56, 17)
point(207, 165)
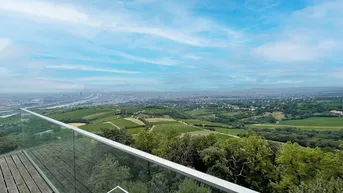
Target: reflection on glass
point(101, 168)
point(50, 147)
point(70, 162)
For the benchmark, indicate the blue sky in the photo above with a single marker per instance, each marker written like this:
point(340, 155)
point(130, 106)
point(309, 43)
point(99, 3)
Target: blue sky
point(188, 45)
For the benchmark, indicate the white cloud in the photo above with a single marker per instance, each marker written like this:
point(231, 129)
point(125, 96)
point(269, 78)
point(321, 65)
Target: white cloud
point(5, 45)
point(183, 28)
point(337, 73)
point(4, 42)
point(167, 34)
point(9, 50)
point(261, 5)
point(53, 11)
point(159, 61)
point(89, 68)
point(287, 81)
point(3, 71)
point(308, 34)
point(119, 80)
point(292, 51)
point(192, 57)
point(30, 85)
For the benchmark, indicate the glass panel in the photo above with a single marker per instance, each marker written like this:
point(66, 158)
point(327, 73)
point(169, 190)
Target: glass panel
point(101, 168)
point(71, 162)
point(10, 130)
point(50, 147)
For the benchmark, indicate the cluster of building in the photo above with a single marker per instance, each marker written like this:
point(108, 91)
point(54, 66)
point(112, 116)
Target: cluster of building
point(337, 112)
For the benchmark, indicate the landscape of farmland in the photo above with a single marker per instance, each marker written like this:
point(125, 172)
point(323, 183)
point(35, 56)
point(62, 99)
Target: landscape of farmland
point(190, 133)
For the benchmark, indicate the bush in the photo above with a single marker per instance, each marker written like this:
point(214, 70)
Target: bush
point(8, 143)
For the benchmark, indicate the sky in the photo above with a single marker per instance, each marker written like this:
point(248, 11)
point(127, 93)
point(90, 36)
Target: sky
point(169, 45)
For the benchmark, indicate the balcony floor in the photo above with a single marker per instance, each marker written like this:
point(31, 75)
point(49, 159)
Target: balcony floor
point(18, 175)
point(57, 163)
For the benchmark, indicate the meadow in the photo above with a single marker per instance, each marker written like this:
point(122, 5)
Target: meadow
point(135, 130)
point(199, 112)
point(314, 123)
point(229, 114)
point(123, 123)
point(230, 131)
point(10, 120)
point(96, 127)
point(177, 127)
point(81, 113)
point(202, 122)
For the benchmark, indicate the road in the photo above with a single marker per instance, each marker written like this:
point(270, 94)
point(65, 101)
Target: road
point(234, 136)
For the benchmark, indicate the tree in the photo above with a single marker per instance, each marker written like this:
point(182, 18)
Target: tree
point(135, 187)
point(108, 174)
point(186, 150)
point(190, 186)
point(9, 143)
point(297, 165)
point(118, 135)
point(146, 141)
point(332, 164)
point(320, 186)
point(247, 161)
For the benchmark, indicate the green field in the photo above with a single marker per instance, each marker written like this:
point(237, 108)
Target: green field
point(230, 131)
point(96, 127)
point(98, 115)
point(203, 122)
point(123, 123)
point(273, 126)
point(164, 122)
point(178, 127)
point(79, 114)
point(10, 120)
point(229, 114)
point(315, 121)
point(199, 112)
point(135, 130)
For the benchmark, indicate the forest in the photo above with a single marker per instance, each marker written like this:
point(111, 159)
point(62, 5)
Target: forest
point(326, 139)
point(252, 162)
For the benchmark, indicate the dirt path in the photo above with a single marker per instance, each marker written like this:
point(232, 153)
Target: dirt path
point(76, 124)
point(152, 128)
point(113, 124)
point(234, 136)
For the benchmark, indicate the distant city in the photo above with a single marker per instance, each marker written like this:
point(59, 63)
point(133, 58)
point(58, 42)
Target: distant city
point(10, 103)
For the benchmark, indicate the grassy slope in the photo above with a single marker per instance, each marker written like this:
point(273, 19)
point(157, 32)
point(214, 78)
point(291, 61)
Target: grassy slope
point(178, 127)
point(197, 112)
point(315, 121)
point(124, 123)
point(134, 130)
point(96, 127)
point(197, 121)
point(79, 114)
point(10, 120)
point(230, 131)
point(229, 114)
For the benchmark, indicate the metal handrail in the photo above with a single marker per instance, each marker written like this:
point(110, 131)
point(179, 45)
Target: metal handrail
point(186, 171)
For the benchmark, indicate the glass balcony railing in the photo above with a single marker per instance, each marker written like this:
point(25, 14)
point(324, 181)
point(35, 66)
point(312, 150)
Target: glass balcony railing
point(51, 156)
